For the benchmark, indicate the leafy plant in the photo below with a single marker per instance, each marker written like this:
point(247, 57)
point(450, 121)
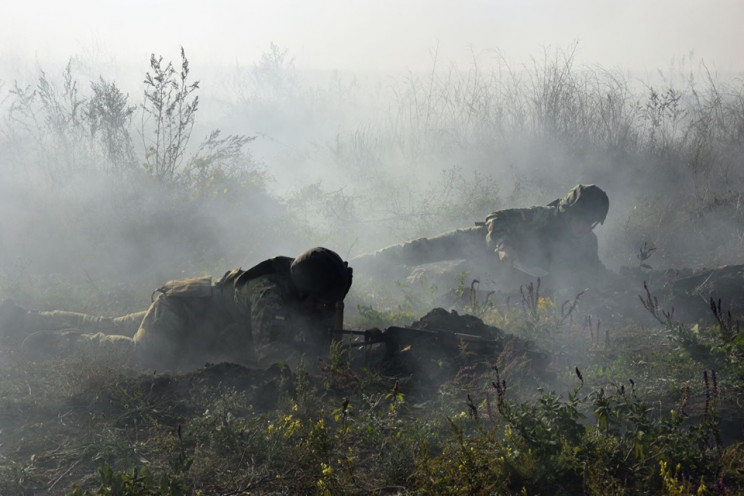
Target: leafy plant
point(170, 103)
point(109, 116)
point(55, 120)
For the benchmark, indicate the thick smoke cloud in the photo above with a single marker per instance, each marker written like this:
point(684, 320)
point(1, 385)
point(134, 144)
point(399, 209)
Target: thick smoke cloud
point(357, 162)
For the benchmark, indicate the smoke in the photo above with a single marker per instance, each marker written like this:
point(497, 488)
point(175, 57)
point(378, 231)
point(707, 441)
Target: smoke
point(358, 162)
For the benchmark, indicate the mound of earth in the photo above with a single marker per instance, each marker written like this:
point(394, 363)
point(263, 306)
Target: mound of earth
point(499, 341)
point(440, 319)
point(428, 364)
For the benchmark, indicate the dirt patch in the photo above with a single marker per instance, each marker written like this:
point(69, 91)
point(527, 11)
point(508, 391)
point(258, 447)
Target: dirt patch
point(440, 319)
point(456, 343)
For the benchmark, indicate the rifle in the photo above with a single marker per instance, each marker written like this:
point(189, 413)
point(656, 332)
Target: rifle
point(397, 339)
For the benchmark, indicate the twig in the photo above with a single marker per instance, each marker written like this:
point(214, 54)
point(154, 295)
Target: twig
point(63, 474)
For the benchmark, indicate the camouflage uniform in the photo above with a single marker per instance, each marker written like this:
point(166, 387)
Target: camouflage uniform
point(125, 325)
point(467, 244)
point(254, 317)
point(540, 235)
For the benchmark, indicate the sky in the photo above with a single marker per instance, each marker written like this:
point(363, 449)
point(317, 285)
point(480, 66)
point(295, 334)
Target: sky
point(382, 35)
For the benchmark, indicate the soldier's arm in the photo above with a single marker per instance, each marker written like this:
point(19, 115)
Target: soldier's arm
point(506, 229)
point(264, 304)
point(502, 227)
point(460, 243)
point(590, 255)
point(278, 328)
point(592, 267)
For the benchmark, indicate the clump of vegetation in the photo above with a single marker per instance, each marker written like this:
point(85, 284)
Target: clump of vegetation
point(78, 133)
point(187, 435)
point(76, 168)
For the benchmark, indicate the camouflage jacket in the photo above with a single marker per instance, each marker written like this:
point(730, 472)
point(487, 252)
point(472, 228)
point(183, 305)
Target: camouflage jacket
point(249, 316)
point(268, 301)
point(541, 237)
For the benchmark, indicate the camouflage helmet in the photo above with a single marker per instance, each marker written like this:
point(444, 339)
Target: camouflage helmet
point(588, 202)
point(321, 273)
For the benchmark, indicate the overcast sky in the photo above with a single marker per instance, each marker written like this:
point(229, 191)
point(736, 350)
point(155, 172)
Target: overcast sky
point(634, 35)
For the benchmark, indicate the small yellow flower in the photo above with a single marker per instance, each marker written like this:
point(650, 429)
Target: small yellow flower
point(323, 489)
point(701, 490)
point(545, 303)
point(662, 467)
point(508, 432)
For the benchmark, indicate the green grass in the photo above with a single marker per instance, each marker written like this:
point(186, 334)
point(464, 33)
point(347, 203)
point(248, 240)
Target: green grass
point(640, 416)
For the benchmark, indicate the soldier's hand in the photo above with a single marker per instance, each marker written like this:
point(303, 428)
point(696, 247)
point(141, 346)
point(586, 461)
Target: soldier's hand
point(506, 254)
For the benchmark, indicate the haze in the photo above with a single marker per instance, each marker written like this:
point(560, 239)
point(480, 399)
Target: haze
point(374, 123)
point(357, 125)
point(384, 35)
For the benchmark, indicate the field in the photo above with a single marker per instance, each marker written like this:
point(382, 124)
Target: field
point(104, 200)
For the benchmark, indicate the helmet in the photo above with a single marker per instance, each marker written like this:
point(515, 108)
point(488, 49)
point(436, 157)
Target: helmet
point(321, 273)
point(588, 202)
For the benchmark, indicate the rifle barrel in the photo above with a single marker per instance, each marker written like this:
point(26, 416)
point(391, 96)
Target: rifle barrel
point(396, 331)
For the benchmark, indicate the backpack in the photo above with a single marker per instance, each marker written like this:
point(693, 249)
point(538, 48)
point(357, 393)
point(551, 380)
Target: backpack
point(193, 287)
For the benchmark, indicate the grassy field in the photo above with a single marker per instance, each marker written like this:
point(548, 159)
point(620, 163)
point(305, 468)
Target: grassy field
point(633, 409)
point(103, 200)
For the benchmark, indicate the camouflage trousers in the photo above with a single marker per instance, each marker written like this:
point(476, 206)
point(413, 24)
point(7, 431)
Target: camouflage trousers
point(175, 332)
point(126, 325)
point(58, 334)
point(152, 338)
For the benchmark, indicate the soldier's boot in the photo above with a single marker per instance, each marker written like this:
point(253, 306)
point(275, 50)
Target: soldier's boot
point(51, 345)
point(12, 321)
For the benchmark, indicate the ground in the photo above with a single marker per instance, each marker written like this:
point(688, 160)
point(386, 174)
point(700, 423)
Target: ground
point(388, 426)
